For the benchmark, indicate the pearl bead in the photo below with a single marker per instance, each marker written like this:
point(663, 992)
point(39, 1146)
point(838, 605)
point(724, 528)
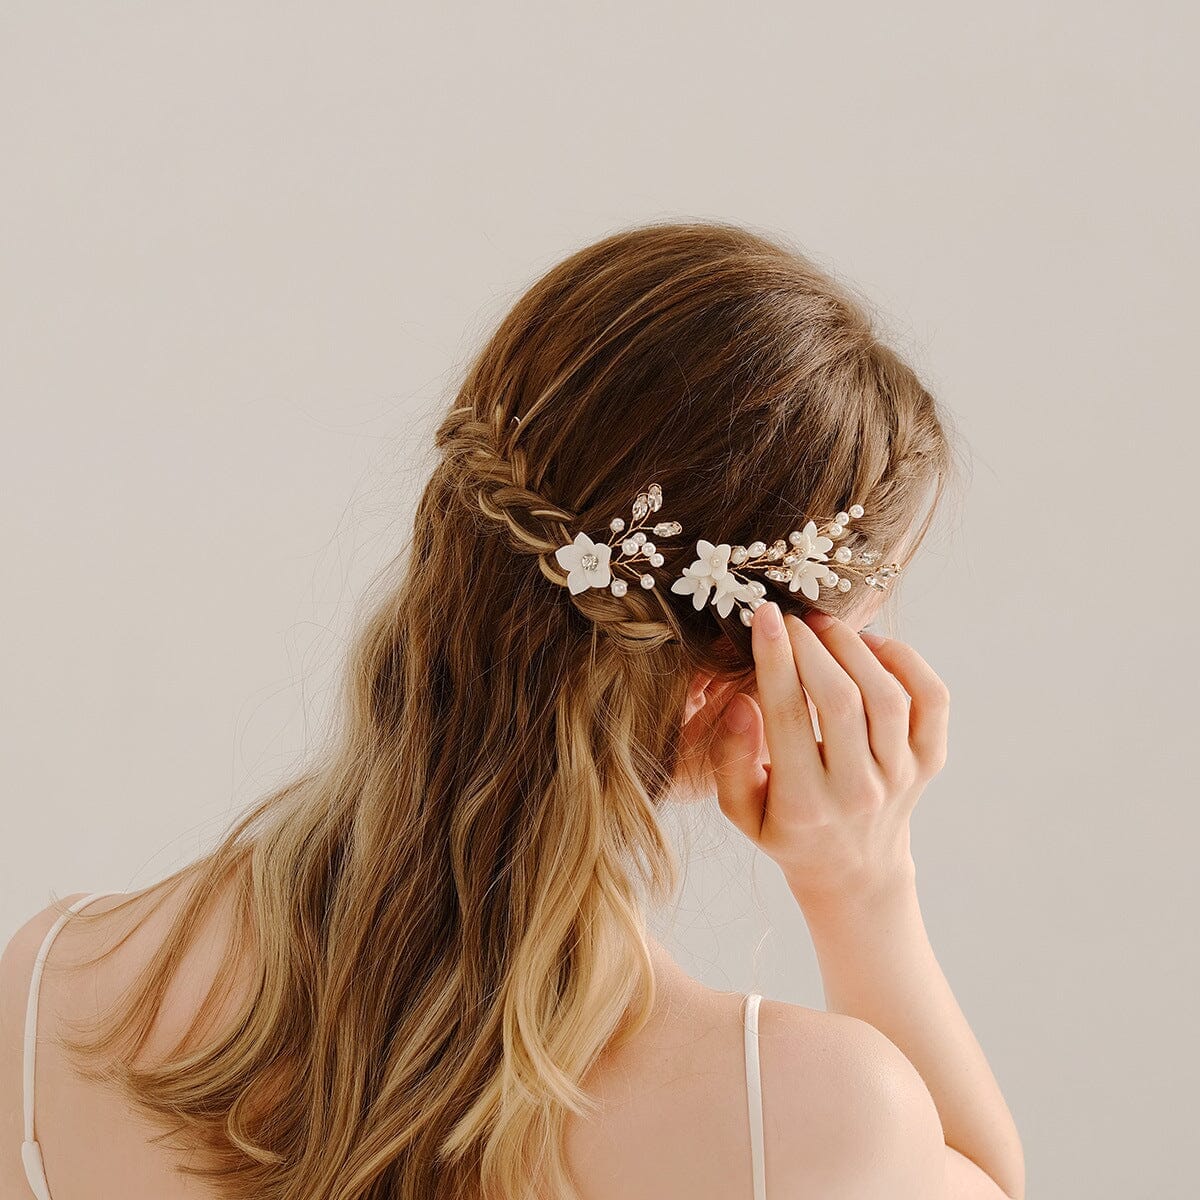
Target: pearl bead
point(842, 518)
point(657, 559)
point(843, 585)
point(842, 554)
point(856, 511)
point(648, 549)
point(647, 581)
point(617, 524)
point(619, 587)
point(747, 616)
point(835, 530)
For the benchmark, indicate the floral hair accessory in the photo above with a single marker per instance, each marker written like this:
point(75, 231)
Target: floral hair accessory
point(590, 564)
point(799, 562)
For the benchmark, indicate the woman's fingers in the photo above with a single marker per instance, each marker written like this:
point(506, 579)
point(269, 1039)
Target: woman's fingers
point(929, 717)
point(884, 701)
point(791, 742)
point(836, 697)
point(740, 777)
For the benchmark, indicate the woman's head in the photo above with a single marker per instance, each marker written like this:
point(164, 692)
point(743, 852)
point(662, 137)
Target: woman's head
point(448, 907)
point(722, 365)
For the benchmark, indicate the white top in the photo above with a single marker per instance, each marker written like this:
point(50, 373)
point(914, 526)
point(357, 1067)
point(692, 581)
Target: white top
point(754, 1096)
point(31, 1152)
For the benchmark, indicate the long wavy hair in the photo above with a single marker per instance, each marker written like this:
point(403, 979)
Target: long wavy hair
point(442, 917)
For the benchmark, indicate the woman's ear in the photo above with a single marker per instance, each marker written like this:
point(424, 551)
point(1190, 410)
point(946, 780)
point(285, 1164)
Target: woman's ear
point(699, 694)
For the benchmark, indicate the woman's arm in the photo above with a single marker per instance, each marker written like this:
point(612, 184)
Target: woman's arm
point(877, 964)
point(834, 814)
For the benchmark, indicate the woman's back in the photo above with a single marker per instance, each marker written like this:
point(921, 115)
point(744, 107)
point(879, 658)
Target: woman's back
point(842, 1111)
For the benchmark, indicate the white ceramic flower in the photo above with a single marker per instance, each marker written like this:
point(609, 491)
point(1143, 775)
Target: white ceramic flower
point(807, 576)
point(730, 589)
point(586, 563)
point(809, 572)
point(704, 574)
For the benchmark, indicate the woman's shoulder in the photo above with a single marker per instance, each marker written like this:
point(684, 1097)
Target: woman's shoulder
point(850, 1113)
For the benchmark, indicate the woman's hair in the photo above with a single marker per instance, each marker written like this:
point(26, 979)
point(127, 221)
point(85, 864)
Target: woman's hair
point(441, 918)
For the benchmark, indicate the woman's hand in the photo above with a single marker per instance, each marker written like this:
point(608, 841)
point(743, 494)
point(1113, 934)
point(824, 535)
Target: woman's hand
point(833, 813)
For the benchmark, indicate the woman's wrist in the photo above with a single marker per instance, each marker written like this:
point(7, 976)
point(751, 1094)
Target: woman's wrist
point(866, 895)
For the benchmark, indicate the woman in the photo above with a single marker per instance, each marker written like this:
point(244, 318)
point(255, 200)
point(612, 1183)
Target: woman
point(421, 969)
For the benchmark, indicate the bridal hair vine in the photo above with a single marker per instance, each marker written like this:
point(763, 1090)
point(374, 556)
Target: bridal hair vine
point(590, 564)
point(799, 561)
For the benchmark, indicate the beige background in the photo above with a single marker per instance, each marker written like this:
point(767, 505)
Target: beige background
point(247, 249)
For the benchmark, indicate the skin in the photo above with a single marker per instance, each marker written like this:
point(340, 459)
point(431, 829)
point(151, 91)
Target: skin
point(886, 1094)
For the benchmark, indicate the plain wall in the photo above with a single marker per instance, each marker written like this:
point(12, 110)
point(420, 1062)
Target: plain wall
point(247, 249)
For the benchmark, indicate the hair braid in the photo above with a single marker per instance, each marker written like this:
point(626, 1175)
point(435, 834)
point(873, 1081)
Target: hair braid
point(491, 478)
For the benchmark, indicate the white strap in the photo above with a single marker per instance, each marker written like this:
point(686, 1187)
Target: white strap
point(754, 1097)
point(31, 1154)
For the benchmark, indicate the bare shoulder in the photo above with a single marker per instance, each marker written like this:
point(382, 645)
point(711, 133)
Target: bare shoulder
point(16, 971)
point(845, 1112)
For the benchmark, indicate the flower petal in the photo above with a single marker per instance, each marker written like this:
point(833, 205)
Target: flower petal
point(568, 556)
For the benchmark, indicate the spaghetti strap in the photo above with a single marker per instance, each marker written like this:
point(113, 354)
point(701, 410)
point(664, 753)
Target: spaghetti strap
point(754, 1096)
point(31, 1152)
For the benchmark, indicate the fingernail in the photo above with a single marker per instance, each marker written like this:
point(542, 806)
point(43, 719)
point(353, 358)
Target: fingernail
point(771, 619)
point(737, 716)
point(818, 620)
point(872, 639)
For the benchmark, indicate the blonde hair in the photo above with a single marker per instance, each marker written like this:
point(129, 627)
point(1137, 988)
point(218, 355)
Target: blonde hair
point(443, 914)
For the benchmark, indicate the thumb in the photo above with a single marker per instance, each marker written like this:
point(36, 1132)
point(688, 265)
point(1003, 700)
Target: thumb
point(740, 777)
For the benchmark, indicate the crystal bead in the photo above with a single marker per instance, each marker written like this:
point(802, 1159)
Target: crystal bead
point(776, 552)
point(738, 554)
point(856, 511)
point(657, 559)
point(868, 556)
point(760, 589)
point(647, 581)
point(619, 587)
point(792, 558)
point(589, 562)
point(842, 518)
point(783, 574)
point(747, 615)
point(756, 548)
point(641, 506)
point(654, 492)
point(667, 529)
point(617, 524)
point(843, 585)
